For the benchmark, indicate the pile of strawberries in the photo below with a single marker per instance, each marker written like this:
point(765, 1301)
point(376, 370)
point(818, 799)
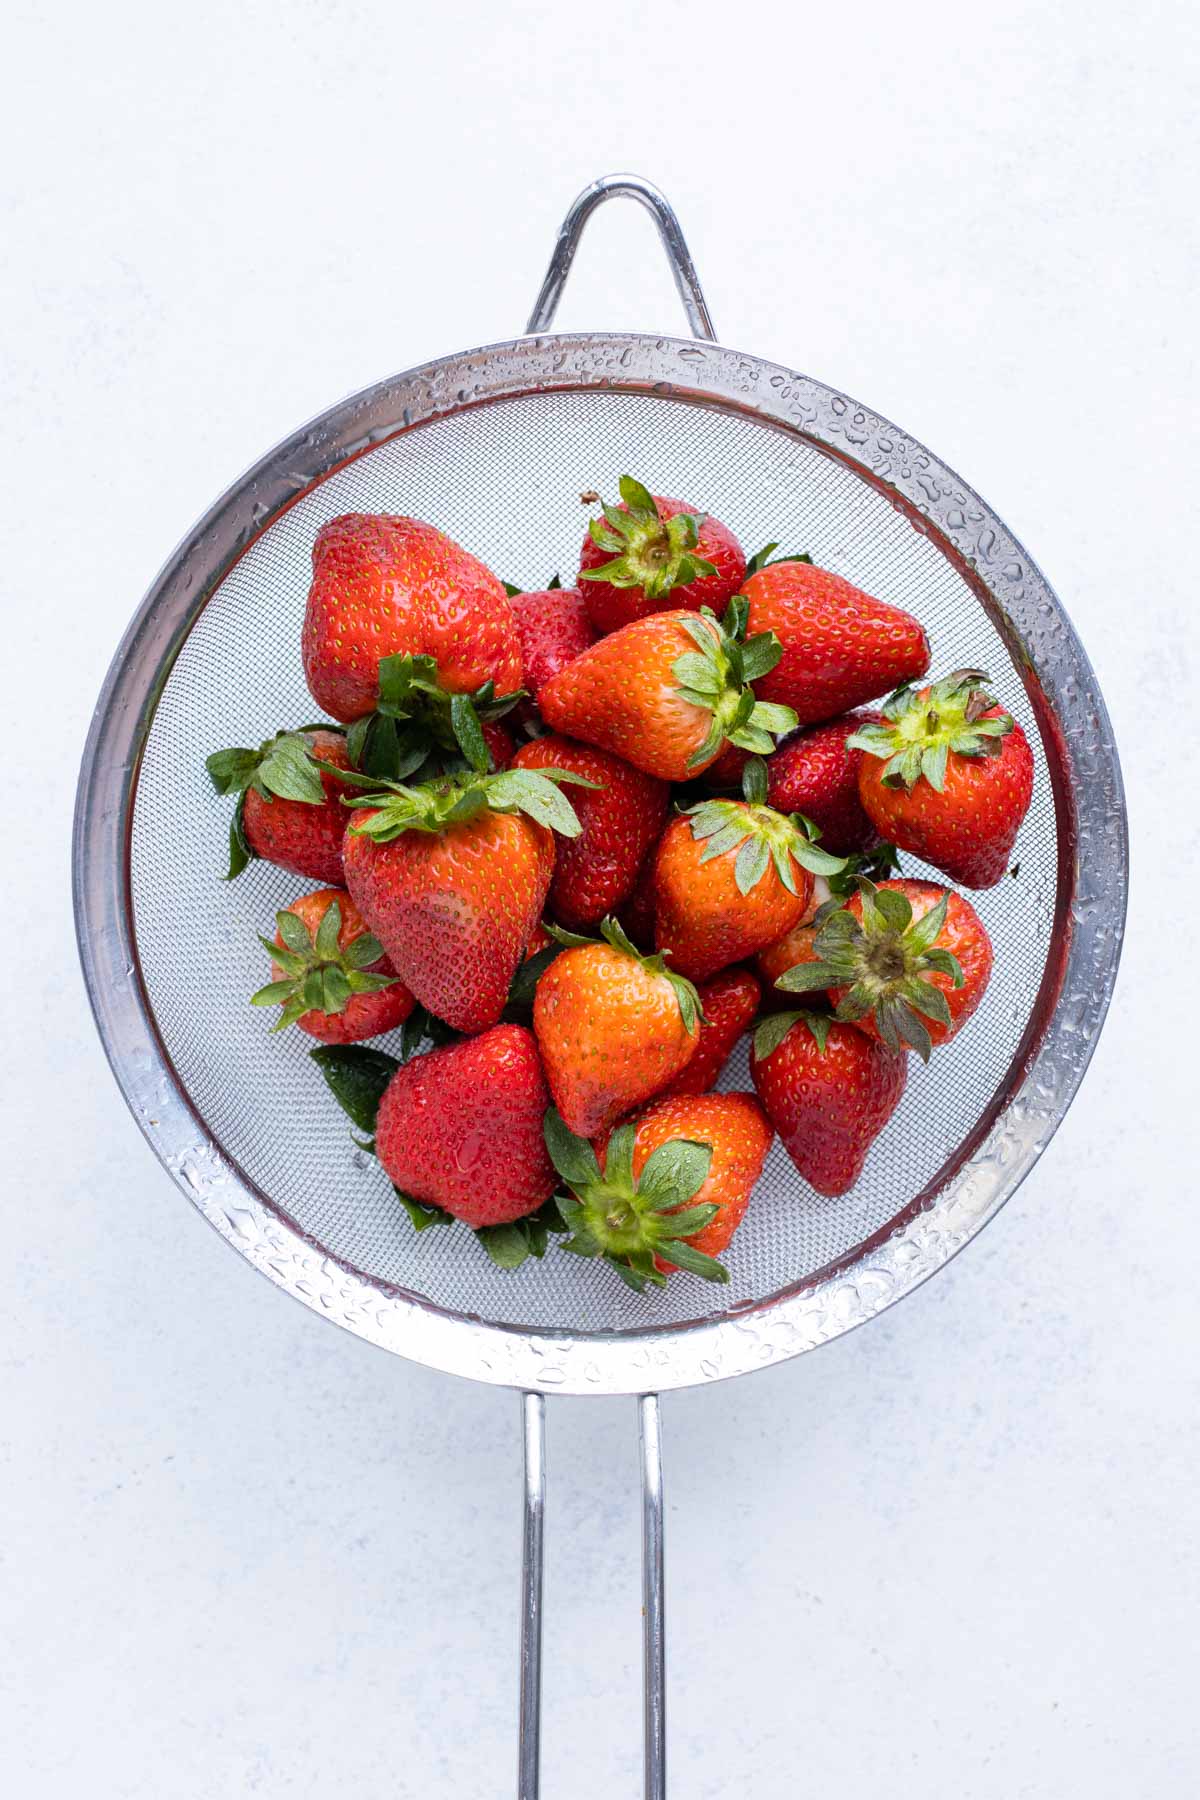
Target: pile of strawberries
point(573, 844)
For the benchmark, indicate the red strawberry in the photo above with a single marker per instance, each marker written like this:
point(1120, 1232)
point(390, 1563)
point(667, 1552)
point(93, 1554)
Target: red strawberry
point(731, 876)
point(815, 774)
point(673, 1188)
point(287, 811)
point(553, 629)
point(384, 587)
point(461, 1128)
point(330, 975)
point(621, 820)
point(452, 878)
point(829, 1090)
point(650, 553)
point(666, 692)
point(949, 776)
point(906, 961)
point(613, 1027)
point(499, 742)
point(840, 647)
point(729, 1002)
point(637, 914)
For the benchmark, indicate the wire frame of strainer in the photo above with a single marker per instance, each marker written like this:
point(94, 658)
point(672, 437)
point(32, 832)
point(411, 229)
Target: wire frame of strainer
point(495, 446)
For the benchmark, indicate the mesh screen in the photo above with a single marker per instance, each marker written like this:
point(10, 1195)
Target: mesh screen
point(505, 480)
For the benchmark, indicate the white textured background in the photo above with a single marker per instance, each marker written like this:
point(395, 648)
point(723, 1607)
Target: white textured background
point(949, 1558)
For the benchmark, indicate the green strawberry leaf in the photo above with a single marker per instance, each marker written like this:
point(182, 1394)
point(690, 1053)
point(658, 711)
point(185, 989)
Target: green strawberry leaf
point(420, 1215)
point(507, 1245)
point(240, 853)
point(356, 1077)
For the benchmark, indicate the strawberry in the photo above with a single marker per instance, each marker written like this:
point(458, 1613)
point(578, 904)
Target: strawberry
point(729, 1002)
point(840, 646)
point(673, 1187)
point(731, 876)
point(400, 621)
point(815, 774)
point(452, 877)
point(828, 1090)
point(461, 1128)
point(331, 977)
point(906, 961)
point(499, 742)
point(795, 946)
point(613, 1027)
point(650, 553)
point(667, 691)
point(553, 628)
point(948, 775)
point(287, 812)
point(620, 823)
point(637, 914)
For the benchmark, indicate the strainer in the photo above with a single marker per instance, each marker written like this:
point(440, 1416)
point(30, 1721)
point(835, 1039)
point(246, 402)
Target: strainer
point(495, 446)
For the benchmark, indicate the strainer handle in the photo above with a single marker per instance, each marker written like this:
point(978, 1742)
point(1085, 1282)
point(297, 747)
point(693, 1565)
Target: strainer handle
point(634, 187)
point(653, 1629)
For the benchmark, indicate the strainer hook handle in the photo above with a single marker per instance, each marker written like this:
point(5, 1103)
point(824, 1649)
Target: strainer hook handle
point(633, 187)
point(653, 1629)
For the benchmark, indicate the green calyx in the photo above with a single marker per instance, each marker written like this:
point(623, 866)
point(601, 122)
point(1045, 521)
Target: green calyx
point(628, 1222)
point(690, 1009)
point(770, 1032)
point(450, 800)
point(648, 551)
point(283, 768)
point(923, 727)
point(758, 836)
point(883, 961)
point(766, 559)
point(717, 674)
point(318, 976)
point(416, 724)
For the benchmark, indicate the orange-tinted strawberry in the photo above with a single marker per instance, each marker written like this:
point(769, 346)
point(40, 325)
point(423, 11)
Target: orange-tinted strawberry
point(840, 646)
point(828, 1090)
point(730, 877)
point(620, 819)
point(452, 878)
point(948, 775)
point(287, 811)
point(907, 961)
point(665, 692)
point(553, 629)
point(385, 586)
point(669, 1187)
point(613, 1028)
point(650, 553)
point(795, 946)
point(331, 977)
point(461, 1128)
point(729, 1002)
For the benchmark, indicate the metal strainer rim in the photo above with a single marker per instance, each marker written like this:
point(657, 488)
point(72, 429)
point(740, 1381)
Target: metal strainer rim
point(1092, 879)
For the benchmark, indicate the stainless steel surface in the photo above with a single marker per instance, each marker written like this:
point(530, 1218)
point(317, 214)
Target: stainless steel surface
point(241, 1120)
point(533, 1411)
point(634, 187)
point(654, 1635)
